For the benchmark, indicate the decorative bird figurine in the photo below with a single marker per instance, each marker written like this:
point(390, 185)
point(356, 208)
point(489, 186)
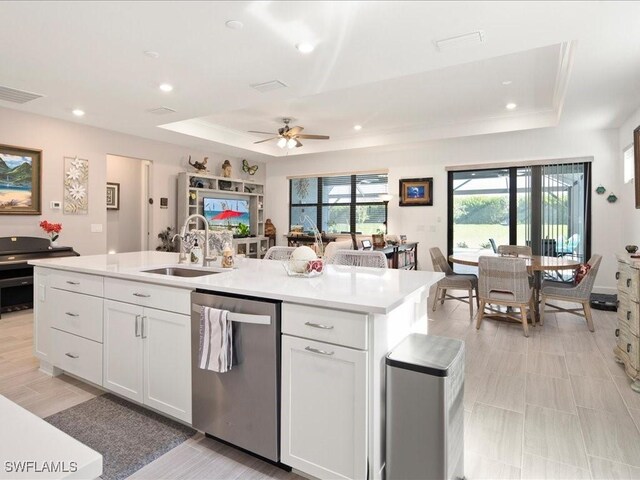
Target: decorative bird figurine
point(199, 166)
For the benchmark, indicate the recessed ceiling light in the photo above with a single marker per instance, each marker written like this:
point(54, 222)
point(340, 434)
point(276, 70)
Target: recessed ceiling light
point(510, 106)
point(165, 87)
point(357, 127)
point(507, 82)
point(78, 113)
point(305, 47)
point(234, 24)
point(152, 54)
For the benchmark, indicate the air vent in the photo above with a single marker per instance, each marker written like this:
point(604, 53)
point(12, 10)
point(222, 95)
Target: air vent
point(17, 96)
point(464, 40)
point(161, 110)
point(268, 86)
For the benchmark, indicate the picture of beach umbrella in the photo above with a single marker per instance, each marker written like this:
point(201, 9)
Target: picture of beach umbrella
point(226, 215)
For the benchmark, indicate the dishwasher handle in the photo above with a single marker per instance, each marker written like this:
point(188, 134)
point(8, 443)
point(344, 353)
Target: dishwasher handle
point(240, 317)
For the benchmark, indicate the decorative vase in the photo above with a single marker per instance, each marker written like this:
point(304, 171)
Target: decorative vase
point(54, 243)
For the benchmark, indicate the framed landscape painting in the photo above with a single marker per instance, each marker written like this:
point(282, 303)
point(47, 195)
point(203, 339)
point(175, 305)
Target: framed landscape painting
point(20, 190)
point(416, 192)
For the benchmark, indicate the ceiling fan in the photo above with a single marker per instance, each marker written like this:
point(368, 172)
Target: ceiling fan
point(290, 136)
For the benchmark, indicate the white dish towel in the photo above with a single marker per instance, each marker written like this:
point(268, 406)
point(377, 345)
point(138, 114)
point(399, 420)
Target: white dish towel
point(216, 340)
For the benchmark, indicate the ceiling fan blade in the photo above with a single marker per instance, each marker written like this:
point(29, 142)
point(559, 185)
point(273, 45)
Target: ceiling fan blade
point(298, 144)
point(295, 130)
point(313, 137)
point(255, 131)
point(262, 141)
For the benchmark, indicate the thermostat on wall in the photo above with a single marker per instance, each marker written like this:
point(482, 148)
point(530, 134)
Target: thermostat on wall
point(55, 205)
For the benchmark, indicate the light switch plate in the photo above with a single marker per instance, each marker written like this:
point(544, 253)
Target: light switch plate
point(96, 228)
point(55, 205)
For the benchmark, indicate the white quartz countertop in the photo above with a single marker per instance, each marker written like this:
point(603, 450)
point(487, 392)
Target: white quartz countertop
point(34, 449)
point(358, 289)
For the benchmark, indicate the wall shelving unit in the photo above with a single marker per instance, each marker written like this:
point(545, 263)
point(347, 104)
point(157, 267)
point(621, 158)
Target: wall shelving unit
point(194, 187)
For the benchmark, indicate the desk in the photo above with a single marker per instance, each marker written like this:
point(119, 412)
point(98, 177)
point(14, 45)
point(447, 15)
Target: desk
point(27, 438)
point(401, 257)
point(536, 264)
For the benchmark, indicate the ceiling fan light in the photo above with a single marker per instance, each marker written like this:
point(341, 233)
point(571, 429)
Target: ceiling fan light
point(282, 142)
point(291, 143)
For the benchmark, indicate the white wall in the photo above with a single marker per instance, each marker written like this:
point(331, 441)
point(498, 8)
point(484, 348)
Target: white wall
point(125, 224)
point(58, 139)
point(631, 226)
point(428, 225)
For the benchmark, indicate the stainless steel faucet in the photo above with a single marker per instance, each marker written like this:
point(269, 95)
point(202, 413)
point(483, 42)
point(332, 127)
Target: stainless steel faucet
point(206, 259)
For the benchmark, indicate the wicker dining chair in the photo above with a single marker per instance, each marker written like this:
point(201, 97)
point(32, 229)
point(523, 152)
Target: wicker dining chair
point(452, 281)
point(278, 253)
point(515, 250)
point(567, 292)
point(359, 258)
point(505, 281)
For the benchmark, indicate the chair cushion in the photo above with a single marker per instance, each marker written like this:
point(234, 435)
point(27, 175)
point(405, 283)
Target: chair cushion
point(581, 272)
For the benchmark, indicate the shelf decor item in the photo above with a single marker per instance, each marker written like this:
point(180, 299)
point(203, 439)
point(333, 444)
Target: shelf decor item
point(20, 191)
point(631, 248)
point(612, 198)
point(76, 186)
point(246, 168)
point(199, 166)
point(113, 196)
point(52, 230)
point(600, 190)
point(416, 192)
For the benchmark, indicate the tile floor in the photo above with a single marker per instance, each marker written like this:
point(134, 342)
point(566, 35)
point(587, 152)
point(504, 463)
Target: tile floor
point(554, 405)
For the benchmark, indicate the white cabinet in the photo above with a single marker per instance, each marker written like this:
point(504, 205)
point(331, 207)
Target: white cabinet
point(324, 408)
point(147, 357)
point(41, 324)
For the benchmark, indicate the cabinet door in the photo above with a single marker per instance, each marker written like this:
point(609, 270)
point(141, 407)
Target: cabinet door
point(167, 362)
point(123, 354)
point(41, 324)
point(324, 409)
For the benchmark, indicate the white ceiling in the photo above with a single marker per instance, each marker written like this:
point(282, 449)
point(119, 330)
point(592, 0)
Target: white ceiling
point(375, 64)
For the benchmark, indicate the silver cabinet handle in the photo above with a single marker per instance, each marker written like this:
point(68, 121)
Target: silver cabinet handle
point(144, 333)
point(141, 295)
point(317, 350)
point(71, 314)
point(73, 283)
point(319, 325)
point(137, 327)
point(71, 355)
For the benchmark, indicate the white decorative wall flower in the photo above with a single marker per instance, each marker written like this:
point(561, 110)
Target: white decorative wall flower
point(77, 191)
point(78, 164)
point(74, 173)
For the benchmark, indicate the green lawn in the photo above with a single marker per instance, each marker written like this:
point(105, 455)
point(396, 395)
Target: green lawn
point(476, 235)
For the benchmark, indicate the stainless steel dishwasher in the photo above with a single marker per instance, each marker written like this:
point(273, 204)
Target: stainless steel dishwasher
point(242, 406)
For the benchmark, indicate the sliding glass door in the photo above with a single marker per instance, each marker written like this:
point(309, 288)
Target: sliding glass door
point(545, 206)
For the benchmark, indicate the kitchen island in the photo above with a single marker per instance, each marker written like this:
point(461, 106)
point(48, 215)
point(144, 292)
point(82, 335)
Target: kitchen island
point(90, 310)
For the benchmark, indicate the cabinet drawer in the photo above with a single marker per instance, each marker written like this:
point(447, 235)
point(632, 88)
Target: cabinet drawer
point(629, 281)
point(77, 355)
point(171, 299)
point(628, 314)
point(76, 313)
point(77, 282)
point(628, 344)
point(326, 325)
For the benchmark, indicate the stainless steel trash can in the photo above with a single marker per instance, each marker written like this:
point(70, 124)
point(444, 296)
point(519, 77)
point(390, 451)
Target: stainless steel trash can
point(425, 411)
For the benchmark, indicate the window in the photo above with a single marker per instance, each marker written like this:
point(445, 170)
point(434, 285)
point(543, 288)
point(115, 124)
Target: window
point(629, 165)
point(545, 206)
point(339, 204)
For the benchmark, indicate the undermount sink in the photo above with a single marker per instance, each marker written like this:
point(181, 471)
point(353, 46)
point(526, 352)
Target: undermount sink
point(181, 272)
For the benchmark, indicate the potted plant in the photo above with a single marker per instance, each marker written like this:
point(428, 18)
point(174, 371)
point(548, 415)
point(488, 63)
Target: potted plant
point(52, 230)
point(242, 230)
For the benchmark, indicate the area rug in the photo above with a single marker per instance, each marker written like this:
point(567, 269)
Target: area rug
point(128, 436)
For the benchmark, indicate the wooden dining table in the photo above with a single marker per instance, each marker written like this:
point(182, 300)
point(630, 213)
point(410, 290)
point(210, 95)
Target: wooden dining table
point(536, 264)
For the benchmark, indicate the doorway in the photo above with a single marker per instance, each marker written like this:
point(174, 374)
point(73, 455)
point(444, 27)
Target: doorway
point(129, 226)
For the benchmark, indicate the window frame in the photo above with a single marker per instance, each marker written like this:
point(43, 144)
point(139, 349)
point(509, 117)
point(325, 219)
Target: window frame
point(352, 204)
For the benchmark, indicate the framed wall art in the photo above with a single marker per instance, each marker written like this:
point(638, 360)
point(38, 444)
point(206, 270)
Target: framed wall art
point(20, 174)
point(416, 192)
point(113, 196)
point(76, 186)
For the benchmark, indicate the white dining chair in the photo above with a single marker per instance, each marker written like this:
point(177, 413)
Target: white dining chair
point(279, 253)
point(359, 258)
